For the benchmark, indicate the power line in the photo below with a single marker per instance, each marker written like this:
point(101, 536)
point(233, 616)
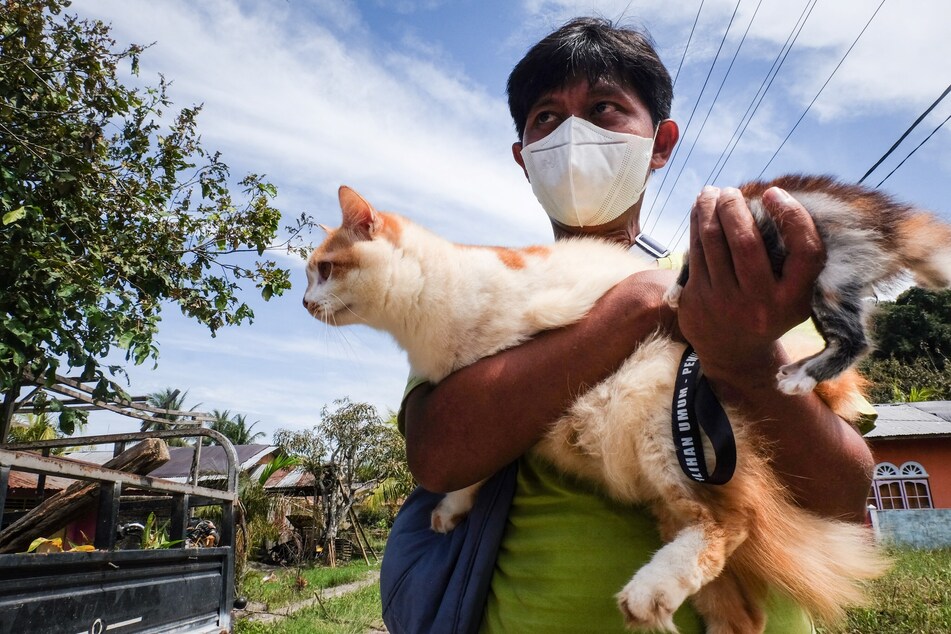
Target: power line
point(706, 117)
point(940, 125)
point(907, 132)
point(834, 71)
point(695, 105)
point(764, 87)
point(687, 47)
point(752, 108)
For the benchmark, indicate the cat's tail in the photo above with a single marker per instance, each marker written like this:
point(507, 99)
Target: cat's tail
point(924, 244)
point(821, 564)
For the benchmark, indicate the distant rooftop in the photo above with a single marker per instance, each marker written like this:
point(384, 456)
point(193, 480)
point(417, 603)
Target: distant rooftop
point(213, 460)
point(928, 418)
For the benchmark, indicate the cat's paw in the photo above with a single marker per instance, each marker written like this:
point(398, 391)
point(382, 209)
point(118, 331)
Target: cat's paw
point(446, 516)
point(793, 379)
point(672, 296)
point(648, 601)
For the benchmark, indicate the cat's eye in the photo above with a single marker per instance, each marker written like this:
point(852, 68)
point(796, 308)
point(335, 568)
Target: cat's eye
point(324, 270)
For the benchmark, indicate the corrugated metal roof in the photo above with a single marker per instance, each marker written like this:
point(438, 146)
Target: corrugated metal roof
point(95, 457)
point(22, 482)
point(938, 408)
point(213, 460)
point(289, 478)
point(912, 419)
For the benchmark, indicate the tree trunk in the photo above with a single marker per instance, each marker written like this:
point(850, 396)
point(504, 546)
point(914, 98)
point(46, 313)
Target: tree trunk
point(68, 505)
point(6, 413)
point(330, 526)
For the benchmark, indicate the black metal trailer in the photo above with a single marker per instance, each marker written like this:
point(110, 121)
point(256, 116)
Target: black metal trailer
point(111, 591)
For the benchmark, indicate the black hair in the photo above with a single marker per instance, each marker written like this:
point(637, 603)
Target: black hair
point(596, 49)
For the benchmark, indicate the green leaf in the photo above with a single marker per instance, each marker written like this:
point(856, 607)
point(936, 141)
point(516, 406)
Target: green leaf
point(67, 422)
point(125, 339)
point(12, 216)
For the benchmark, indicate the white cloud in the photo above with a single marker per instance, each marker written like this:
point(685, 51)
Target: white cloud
point(307, 94)
point(900, 62)
point(312, 108)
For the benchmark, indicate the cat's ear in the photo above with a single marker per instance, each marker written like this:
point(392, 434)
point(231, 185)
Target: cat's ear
point(359, 216)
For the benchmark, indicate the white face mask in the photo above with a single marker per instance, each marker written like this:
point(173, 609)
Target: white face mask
point(586, 176)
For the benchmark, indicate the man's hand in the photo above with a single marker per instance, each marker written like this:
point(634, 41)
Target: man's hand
point(733, 308)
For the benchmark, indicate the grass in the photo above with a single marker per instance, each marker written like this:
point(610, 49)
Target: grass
point(353, 613)
point(284, 588)
point(914, 598)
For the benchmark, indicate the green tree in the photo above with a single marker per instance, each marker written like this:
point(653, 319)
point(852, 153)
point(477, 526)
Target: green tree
point(892, 381)
point(385, 499)
point(235, 427)
point(917, 324)
point(171, 399)
point(912, 342)
point(110, 207)
point(349, 453)
point(33, 427)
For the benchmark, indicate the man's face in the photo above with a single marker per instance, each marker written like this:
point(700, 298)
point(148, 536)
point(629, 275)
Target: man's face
point(607, 104)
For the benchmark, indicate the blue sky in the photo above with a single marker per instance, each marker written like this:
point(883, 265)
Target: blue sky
point(404, 100)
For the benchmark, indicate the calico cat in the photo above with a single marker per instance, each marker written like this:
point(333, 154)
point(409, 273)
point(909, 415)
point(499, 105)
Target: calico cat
point(448, 305)
point(870, 240)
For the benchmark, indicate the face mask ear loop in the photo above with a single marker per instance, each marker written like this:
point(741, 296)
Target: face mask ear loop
point(650, 170)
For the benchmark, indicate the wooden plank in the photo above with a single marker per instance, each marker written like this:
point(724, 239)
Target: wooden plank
point(22, 461)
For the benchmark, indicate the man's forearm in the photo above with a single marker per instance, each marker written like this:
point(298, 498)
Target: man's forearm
point(821, 458)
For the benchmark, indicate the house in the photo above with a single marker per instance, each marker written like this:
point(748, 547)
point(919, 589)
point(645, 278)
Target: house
point(910, 499)
point(212, 461)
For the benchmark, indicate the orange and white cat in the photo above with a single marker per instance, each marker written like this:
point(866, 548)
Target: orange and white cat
point(448, 305)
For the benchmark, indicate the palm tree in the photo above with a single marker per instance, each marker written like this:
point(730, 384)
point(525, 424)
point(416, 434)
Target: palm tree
point(235, 427)
point(168, 398)
point(34, 427)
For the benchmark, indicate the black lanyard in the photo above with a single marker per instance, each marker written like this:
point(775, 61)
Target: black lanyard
point(696, 408)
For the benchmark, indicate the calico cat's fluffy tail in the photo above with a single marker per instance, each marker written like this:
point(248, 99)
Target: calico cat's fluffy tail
point(821, 564)
point(924, 245)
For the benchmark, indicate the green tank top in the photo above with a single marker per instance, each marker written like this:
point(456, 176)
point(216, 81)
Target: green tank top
point(568, 551)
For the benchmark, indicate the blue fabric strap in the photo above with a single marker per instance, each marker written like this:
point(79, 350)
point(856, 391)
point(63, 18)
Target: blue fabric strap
point(433, 582)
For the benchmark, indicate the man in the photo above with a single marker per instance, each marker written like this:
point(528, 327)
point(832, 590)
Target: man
point(567, 551)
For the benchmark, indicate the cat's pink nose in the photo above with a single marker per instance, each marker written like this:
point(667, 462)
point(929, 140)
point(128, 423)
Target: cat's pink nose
point(308, 305)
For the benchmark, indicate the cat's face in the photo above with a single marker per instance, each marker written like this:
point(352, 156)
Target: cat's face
point(346, 275)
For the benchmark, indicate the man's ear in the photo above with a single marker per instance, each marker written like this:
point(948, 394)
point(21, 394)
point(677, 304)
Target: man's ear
point(664, 142)
point(517, 155)
point(359, 216)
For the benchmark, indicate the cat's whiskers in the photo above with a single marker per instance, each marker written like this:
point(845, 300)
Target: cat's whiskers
point(340, 336)
point(350, 310)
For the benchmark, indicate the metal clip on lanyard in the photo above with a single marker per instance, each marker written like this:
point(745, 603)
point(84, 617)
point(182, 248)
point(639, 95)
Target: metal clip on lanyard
point(696, 408)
